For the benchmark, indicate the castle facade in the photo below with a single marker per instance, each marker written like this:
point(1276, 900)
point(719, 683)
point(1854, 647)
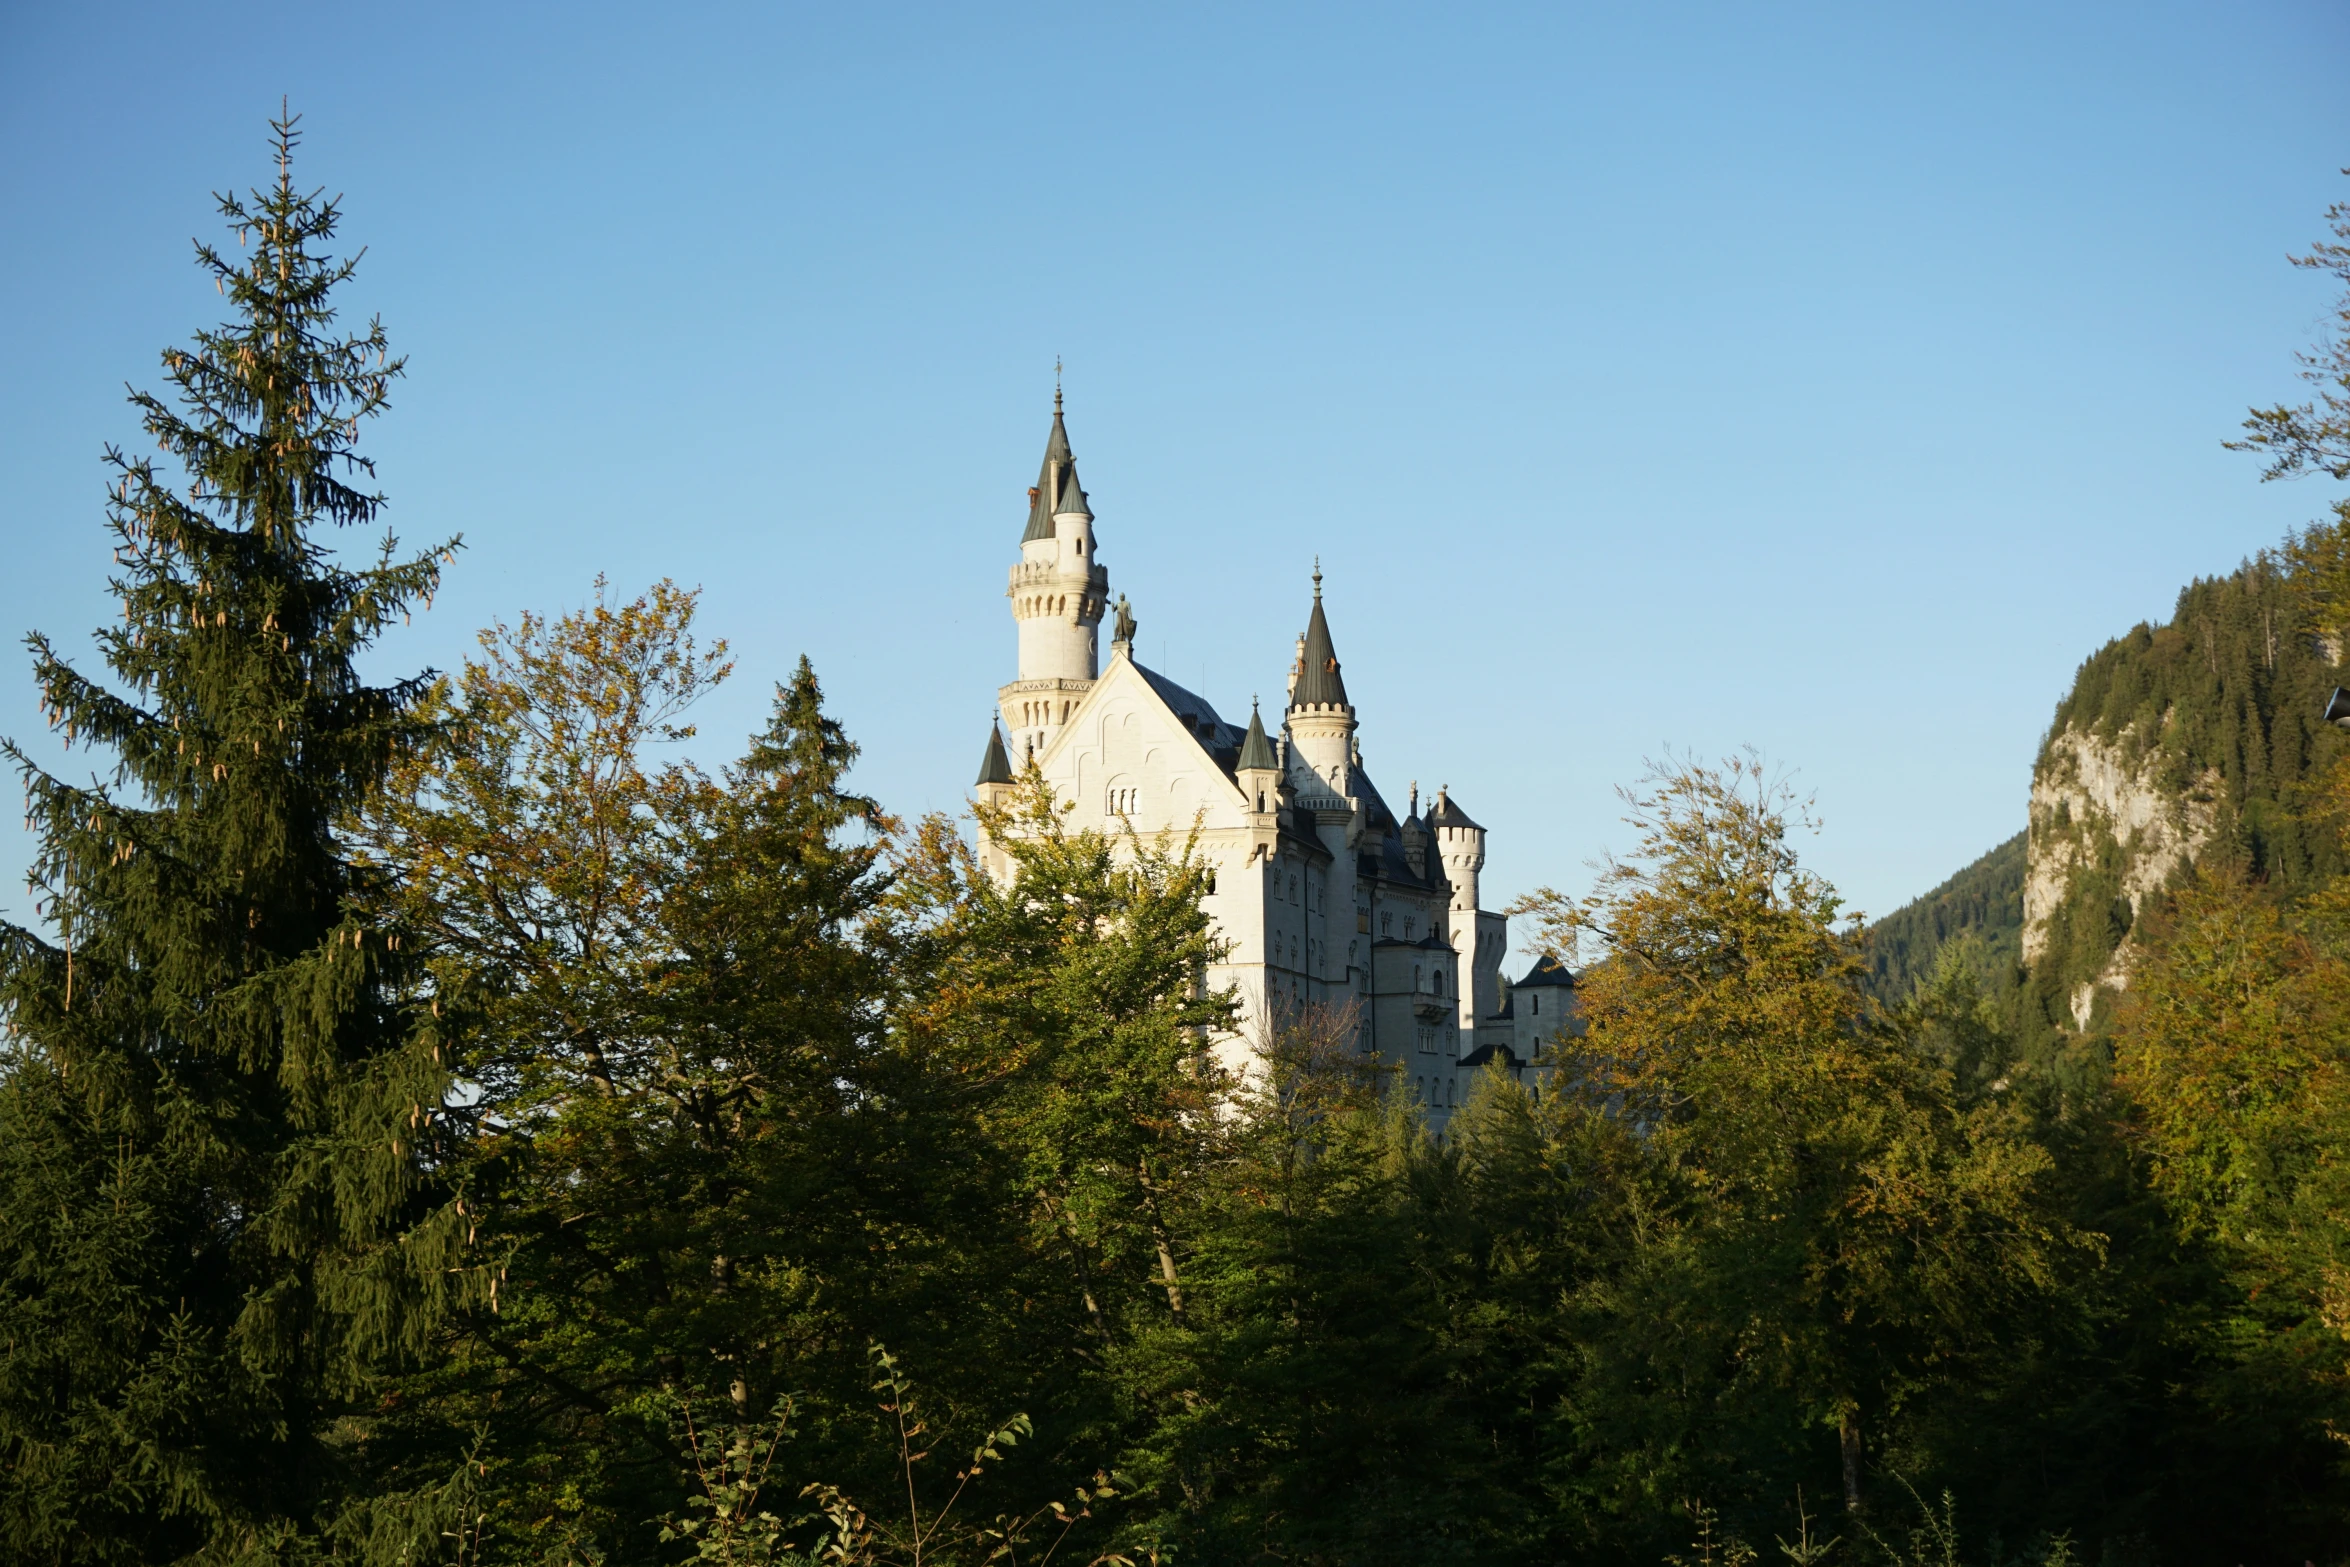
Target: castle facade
point(1326, 898)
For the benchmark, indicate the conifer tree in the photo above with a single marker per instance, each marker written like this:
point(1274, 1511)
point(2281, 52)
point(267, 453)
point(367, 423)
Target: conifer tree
point(220, 1103)
point(684, 1142)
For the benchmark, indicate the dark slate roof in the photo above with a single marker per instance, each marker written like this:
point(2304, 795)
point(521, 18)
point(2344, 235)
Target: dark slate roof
point(1221, 739)
point(995, 767)
point(1547, 970)
point(1391, 865)
point(1447, 814)
point(1359, 785)
point(1072, 494)
point(1318, 683)
point(1485, 1053)
point(1256, 751)
point(1045, 498)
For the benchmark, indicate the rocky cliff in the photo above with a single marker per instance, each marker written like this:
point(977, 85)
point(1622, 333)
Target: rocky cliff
point(2187, 743)
point(2107, 832)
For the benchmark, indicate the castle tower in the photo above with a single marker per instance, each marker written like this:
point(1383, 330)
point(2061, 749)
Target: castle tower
point(1321, 720)
point(1461, 843)
point(995, 788)
point(1478, 937)
point(1058, 592)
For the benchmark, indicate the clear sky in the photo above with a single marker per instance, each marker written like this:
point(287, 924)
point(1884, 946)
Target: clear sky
point(1830, 379)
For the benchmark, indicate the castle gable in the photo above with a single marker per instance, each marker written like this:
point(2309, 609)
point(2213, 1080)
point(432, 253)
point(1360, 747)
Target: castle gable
point(1142, 747)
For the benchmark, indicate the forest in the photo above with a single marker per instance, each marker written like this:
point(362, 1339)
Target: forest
point(436, 1129)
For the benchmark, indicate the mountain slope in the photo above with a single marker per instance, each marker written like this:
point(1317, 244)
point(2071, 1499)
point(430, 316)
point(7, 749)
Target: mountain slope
point(2181, 744)
point(1983, 903)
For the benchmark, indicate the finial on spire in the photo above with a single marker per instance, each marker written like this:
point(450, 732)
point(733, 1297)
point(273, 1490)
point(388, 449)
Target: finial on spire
point(1317, 579)
point(1056, 384)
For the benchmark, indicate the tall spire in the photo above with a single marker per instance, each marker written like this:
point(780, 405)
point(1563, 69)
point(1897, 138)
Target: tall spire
point(1057, 591)
point(1318, 683)
point(1053, 480)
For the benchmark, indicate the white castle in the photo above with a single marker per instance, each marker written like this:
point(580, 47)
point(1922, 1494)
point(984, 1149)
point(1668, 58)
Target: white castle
point(1325, 899)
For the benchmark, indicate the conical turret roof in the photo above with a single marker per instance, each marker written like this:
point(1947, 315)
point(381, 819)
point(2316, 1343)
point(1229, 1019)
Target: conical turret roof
point(995, 767)
point(1547, 970)
point(1256, 750)
point(1447, 813)
point(1072, 495)
point(1059, 470)
point(1318, 684)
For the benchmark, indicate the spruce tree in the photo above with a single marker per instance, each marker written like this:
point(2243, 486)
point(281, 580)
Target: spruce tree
point(220, 1100)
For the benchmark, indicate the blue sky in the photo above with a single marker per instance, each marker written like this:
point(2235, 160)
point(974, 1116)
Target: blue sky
point(1826, 379)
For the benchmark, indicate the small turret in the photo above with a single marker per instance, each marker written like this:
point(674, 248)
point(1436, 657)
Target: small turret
point(996, 766)
point(1545, 1006)
point(1460, 844)
point(1258, 771)
point(995, 788)
point(997, 781)
point(1413, 835)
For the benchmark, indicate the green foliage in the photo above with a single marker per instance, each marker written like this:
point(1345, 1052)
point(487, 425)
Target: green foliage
point(726, 1523)
point(2234, 1052)
point(1312, 1404)
point(1837, 1233)
point(1090, 958)
point(221, 1211)
point(686, 1135)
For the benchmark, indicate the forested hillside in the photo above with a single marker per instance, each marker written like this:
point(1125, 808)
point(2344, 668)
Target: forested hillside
point(1982, 906)
point(2199, 742)
point(2192, 743)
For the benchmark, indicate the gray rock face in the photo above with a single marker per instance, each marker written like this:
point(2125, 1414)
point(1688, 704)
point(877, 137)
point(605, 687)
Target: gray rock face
point(2106, 829)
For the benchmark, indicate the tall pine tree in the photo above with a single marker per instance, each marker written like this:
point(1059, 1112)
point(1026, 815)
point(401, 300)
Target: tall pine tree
point(221, 1103)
